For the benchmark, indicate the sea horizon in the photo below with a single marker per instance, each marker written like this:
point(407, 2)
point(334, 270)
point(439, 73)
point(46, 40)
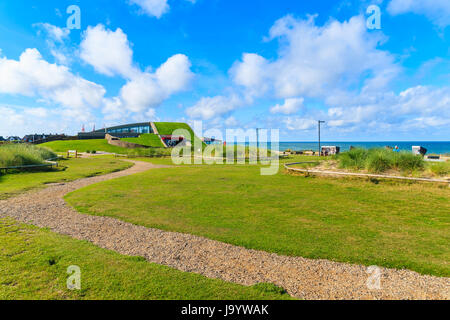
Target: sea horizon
point(433, 147)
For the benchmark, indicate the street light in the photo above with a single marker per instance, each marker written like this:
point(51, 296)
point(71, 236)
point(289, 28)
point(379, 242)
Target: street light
point(319, 122)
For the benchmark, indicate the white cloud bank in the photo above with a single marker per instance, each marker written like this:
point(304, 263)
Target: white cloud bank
point(314, 60)
point(32, 76)
point(438, 11)
point(110, 53)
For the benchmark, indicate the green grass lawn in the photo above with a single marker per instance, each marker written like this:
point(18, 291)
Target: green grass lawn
point(149, 140)
point(167, 128)
point(389, 224)
point(83, 146)
point(68, 170)
point(34, 265)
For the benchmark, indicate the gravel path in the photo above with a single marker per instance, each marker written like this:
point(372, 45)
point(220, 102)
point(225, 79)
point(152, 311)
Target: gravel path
point(302, 278)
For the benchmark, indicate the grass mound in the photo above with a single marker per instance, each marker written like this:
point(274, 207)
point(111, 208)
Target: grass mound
point(167, 128)
point(148, 139)
point(83, 146)
point(380, 160)
point(12, 155)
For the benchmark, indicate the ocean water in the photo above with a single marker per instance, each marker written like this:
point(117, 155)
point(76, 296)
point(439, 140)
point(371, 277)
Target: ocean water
point(438, 147)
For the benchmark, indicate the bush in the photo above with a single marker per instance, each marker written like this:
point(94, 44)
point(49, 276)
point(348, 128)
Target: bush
point(13, 155)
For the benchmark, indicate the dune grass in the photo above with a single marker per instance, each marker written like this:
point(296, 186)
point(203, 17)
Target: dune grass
point(379, 160)
point(148, 139)
point(23, 155)
point(439, 168)
point(34, 265)
point(400, 225)
point(67, 170)
point(83, 146)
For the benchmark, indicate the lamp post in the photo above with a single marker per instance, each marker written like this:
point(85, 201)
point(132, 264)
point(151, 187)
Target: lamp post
point(319, 122)
point(257, 143)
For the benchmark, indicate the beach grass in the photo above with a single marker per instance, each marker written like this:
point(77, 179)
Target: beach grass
point(439, 168)
point(387, 223)
point(34, 266)
point(12, 155)
point(379, 160)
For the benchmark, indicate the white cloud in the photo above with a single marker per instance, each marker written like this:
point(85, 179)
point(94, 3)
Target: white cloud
point(314, 60)
point(154, 8)
point(174, 74)
point(252, 73)
point(148, 90)
point(297, 123)
point(55, 33)
point(290, 106)
point(438, 11)
point(108, 51)
point(32, 76)
point(110, 54)
point(210, 107)
point(142, 92)
point(56, 40)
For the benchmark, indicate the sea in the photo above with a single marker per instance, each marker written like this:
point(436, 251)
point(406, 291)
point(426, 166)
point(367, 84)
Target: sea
point(435, 147)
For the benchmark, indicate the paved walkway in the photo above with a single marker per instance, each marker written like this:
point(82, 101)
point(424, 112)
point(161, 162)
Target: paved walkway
point(302, 278)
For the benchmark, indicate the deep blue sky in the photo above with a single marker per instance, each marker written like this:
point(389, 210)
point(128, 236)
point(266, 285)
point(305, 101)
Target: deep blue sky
point(413, 103)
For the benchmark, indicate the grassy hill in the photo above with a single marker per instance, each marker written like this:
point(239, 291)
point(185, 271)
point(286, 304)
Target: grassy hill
point(148, 139)
point(83, 146)
point(167, 128)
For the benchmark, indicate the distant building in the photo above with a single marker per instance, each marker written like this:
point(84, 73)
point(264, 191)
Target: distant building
point(123, 131)
point(13, 138)
point(36, 138)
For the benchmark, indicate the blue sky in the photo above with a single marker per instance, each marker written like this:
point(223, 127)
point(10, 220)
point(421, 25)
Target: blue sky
point(232, 64)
